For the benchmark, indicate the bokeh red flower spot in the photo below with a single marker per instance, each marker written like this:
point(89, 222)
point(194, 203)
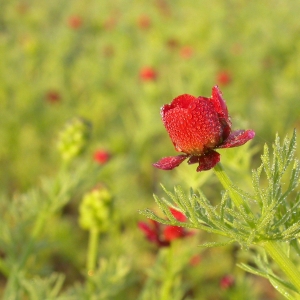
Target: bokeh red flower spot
point(101, 156)
point(52, 96)
point(148, 74)
point(224, 78)
point(75, 22)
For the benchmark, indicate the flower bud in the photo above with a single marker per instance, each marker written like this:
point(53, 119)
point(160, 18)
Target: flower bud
point(73, 138)
point(95, 209)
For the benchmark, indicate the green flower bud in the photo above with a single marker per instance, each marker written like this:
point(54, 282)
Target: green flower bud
point(95, 210)
point(73, 138)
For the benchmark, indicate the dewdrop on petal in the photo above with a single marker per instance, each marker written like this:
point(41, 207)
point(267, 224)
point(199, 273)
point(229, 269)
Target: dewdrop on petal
point(73, 138)
point(95, 210)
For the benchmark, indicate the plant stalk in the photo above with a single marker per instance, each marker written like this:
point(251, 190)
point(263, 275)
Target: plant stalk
point(275, 251)
point(92, 252)
point(227, 184)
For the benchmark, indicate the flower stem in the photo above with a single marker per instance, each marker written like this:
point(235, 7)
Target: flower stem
point(3, 268)
point(37, 229)
point(165, 292)
point(275, 251)
point(227, 184)
point(92, 252)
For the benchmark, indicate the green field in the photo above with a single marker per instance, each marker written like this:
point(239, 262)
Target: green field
point(109, 66)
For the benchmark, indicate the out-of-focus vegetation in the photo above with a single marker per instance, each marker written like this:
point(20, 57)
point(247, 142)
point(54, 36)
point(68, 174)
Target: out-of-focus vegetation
point(114, 64)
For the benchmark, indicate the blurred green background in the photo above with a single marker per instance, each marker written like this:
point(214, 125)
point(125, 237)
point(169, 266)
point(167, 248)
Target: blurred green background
point(115, 63)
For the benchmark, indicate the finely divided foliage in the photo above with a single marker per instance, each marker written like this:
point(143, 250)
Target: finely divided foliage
point(274, 213)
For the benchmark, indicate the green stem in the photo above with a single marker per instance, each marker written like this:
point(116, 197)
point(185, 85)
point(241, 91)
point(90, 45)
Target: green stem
point(227, 184)
point(38, 227)
point(3, 268)
point(274, 250)
point(92, 251)
point(166, 288)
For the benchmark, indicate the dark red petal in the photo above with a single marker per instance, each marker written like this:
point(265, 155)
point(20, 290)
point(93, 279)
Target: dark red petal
point(221, 108)
point(219, 103)
point(150, 233)
point(208, 161)
point(170, 162)
point(237, 138)
point(193, 159)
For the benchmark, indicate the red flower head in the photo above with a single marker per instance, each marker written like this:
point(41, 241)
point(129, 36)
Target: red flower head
point(162, 235)
point(227, 282)
point(195, 260)
point(144, 22)
point(101, 156)
point(186, 52)
point(196, 127)
point(223, 78)
point(148, 74)
point(52, 96)
point(75, 22)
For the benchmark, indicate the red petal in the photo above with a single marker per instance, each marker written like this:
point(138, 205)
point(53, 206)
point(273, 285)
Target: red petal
point(178, 215)
point(192, 128)
point(173, 232)
point(219, 103)
point(150, 233)
point(208, 160)
point(221, 108)
point(170, 162)
point(182, 101)
point(238, 138)
point(193, 160)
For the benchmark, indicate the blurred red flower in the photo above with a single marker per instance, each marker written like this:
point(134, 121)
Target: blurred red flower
point(196, 127)
point(195, 260)
point(75, 22)
point(172, 43)
point(22, 7)
point(101, 156)
point(227, 282)
point(144, 22)
point(163, 235)
point(52, 96)
point(186, 52)
point(223, 78)
point(148, 74)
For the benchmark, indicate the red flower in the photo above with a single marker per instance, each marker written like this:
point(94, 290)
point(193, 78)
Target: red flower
point(196, 126)
point(227, 282)
point(223, 78)
point(195, 260)
point(148, 74)
point(101, 156)
point(162, 235)
point(186, 52)
point(144, 22)
point(52, 96)
point(172, 44)
point(75, 22)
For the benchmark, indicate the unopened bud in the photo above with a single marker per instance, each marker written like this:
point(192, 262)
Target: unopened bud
point(95, 210)
point(73, 138)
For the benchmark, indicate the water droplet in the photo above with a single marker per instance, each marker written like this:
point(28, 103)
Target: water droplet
point(192, 106)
